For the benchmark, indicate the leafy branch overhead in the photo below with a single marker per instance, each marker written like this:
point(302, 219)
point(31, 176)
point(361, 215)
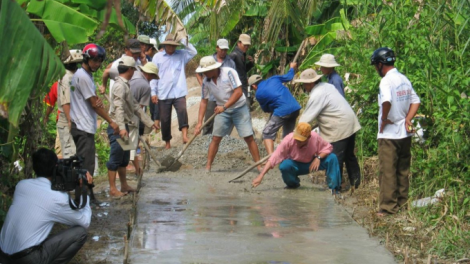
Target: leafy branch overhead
point(163, 15)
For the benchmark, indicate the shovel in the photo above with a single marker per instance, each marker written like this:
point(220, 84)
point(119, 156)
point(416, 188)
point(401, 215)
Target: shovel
point(250, 168)
point(191, 140)
point(147, 148)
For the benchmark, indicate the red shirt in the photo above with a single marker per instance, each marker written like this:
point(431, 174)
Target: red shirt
point(51, 98)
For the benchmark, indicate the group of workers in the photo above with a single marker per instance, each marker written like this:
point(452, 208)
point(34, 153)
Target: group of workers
point(138, 80)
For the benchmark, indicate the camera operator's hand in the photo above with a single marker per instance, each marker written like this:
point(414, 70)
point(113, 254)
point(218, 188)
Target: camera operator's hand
point(89, 178)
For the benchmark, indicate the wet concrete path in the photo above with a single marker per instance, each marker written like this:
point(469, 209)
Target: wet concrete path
point(186, 219)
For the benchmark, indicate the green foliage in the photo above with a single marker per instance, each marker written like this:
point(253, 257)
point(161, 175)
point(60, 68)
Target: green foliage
point(430, 40)
point(30, 63)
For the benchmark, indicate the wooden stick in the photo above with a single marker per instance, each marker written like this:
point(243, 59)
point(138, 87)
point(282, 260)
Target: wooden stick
point(251, 167)
point(147, 148)
point(192, 139)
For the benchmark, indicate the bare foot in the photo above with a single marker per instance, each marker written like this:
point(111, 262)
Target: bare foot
point(116, 194)
point(260, 168)
point(208, 169)
point(167, 145)
point(185, 140)
point(127, 189)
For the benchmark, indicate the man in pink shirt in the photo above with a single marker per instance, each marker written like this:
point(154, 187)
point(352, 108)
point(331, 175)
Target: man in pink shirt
point(300, 153)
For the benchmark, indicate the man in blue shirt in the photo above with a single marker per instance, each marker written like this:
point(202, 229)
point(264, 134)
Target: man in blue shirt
point(275, 98)
point(328, 64)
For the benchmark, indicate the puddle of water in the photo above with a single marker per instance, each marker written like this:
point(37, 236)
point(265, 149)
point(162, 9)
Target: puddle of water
point(187, 223)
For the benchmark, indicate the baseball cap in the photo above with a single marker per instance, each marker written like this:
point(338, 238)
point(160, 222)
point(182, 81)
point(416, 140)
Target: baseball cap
point(133, 45)
point(222, 44)
point(127, 61)
point(245, 39)
point(302, 131)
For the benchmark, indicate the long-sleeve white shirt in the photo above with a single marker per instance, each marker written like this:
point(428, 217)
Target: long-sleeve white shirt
point(335, 116)
point(35, 209)
point(172, 82)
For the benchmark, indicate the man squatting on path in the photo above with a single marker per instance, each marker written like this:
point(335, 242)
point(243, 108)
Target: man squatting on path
point(224, 84)
point(123, 107)
point(398, 104)
point(300, 153)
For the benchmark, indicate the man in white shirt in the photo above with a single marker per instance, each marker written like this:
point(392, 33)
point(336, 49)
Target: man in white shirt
point(337, 121)
point(24, 238)
point(84, 107)
point(223, 83)
point(171, 89)
point(398, 104)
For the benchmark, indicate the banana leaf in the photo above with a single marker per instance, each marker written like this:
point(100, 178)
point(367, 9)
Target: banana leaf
point(66, 32)
point(28, 63)
point(55, 11)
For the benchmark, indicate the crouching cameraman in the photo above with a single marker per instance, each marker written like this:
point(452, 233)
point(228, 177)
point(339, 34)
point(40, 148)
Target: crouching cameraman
point(36, 207)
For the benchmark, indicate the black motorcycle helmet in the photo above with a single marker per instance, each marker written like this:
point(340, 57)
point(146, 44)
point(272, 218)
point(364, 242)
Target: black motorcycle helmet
point(383, 55)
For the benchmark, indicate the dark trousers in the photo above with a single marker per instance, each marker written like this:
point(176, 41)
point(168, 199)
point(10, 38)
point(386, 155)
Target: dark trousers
point(211, 105)
point(154, 111)
point(56, 249)
point(344, 150)
point(85, 144)
point(394, 167)
point(117, 156)
point(165, 115)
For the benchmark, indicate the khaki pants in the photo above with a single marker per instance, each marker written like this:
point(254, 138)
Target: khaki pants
point(66, 141)
point(394, 167)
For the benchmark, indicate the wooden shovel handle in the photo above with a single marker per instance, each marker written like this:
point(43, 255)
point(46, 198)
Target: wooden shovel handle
point(194, 136)
point(251, 167)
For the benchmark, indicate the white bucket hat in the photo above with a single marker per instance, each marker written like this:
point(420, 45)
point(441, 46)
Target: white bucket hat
point(327, 60)
point(222, 44)
point(150, 68)
point(308, 76)
point(207, 63)
point(75, 57)
point(127, 61)
point(254, 79)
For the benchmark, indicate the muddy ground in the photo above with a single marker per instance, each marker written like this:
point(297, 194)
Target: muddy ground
point(110, 222)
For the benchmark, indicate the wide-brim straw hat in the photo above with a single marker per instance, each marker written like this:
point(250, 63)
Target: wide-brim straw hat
point(308, 76)
point(170, 40)
point(327, 60)
point(150, 68)
point(207, 63)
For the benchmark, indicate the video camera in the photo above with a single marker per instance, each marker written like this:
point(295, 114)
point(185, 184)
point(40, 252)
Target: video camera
point(68, 173)
point(66, 178)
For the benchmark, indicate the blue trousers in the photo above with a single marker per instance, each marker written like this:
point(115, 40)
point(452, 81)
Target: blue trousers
point(291, 169)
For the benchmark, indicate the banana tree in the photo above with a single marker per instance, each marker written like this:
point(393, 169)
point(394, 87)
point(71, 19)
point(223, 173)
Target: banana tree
point(75, 21)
